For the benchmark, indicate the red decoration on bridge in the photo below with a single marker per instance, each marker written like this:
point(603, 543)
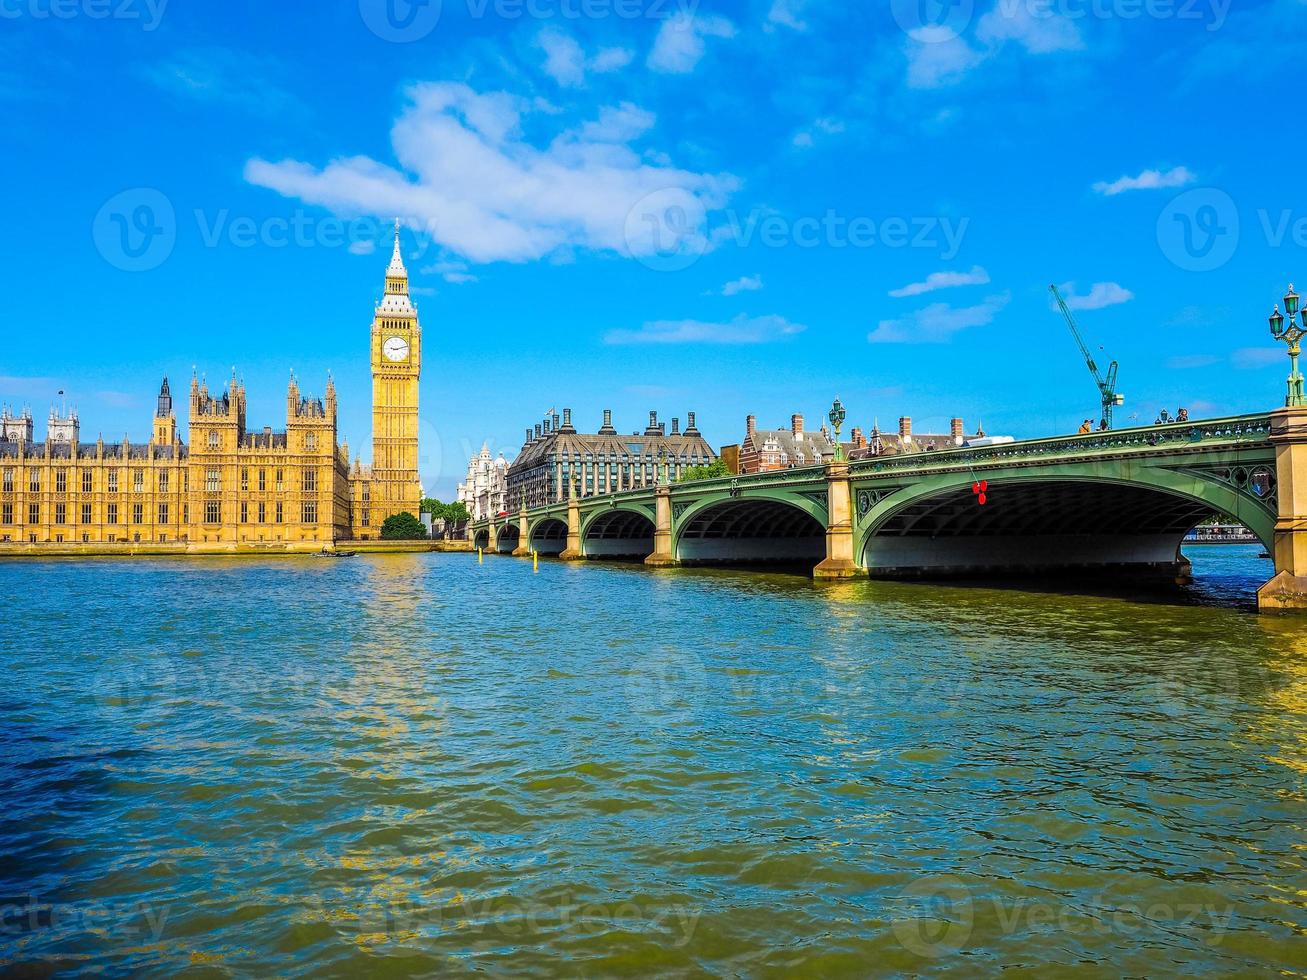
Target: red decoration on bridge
point(980, 489)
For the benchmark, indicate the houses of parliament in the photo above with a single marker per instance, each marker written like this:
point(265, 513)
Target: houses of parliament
point(227, 488)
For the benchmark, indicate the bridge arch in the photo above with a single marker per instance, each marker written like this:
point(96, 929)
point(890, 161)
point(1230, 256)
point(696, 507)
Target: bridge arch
point(757, 527)
point(507, 538)
point(548, 535)
point(618, 532)
point(1045, 520)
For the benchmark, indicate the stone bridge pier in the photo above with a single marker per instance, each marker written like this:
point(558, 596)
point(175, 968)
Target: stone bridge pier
point(1288, 589)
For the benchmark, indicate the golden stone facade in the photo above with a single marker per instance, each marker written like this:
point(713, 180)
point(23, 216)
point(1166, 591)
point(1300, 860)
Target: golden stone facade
point(228, 488)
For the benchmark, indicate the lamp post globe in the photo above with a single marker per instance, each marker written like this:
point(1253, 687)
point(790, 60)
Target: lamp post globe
point(1288, 330)
point(837, 416)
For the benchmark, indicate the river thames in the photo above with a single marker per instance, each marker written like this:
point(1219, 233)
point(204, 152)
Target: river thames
point(418, 764)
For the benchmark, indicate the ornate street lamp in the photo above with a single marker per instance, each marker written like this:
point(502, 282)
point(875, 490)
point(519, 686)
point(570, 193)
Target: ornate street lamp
point(1292, 335)
point(837, 416)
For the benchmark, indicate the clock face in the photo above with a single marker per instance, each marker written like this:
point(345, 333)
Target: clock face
point(395, 348)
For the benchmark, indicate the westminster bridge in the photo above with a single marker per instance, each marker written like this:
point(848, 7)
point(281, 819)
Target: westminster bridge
point(1118, 502)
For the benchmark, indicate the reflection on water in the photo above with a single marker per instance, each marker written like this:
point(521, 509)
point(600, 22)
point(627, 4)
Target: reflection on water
point(417, 764)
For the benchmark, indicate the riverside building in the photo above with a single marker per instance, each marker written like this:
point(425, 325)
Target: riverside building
point(555, 456)
point(227, 487)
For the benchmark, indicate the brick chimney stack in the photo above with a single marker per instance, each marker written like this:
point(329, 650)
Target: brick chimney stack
point(676, 427)
point(796, 424)
point(750, 425)
point(957, 430)
point(905, 427)
point(859, 442)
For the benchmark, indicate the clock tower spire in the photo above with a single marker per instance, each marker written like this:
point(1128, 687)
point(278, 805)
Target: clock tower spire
point(396, 365)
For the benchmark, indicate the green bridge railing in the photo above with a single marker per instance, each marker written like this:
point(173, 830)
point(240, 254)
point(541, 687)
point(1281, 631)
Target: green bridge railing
point(1236, 430)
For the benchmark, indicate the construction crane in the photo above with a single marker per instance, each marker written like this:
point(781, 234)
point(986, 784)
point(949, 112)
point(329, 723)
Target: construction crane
point(1111, 398)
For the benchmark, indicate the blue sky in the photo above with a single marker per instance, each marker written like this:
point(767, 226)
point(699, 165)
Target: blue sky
point(730, 208)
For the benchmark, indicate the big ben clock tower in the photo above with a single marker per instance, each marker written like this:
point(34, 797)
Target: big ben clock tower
point(396, 364)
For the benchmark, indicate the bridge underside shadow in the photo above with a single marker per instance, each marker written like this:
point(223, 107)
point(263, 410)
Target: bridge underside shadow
point(508, 537)
point(745, 531)
point(549, 536)
point(619, 534)
point(1032, 528)
point(482, 540)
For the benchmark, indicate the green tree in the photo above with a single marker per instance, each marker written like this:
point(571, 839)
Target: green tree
point(430, 505)
point(403, 527)
point(456, 513)
point(710, 472)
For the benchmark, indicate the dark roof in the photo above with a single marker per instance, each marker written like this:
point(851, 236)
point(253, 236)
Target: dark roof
point(86, 450)
point(555, 445)
point(805, 448)
point(264, 440)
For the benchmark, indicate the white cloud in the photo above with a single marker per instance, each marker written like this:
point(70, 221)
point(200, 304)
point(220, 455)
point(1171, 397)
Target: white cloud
point(618, 124)
point(451, 270)
point(611, 59)
point(566, 61)
point(564, 58)
point(679, 46)
point(741, 330)
point(1186, 362)
point(936, 62)
point(227, 77)
point(1036, 27)
point(826, 125)
point(467, 176)
point(1257, 357)
point(745, 284)
point(937, 323)
point(1100, 295)
point(939, 56)
point(786, 13)
point(943, 280)
point(1149, 180)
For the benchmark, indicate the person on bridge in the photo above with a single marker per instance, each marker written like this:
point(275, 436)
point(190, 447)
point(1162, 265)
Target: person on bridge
point(1102, 425)
point(1182, 415)
point(1086, 427)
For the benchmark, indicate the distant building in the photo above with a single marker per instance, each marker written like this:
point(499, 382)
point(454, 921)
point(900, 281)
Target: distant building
point(782, 449)
point(879, 443)
point(555, 456)
point(229, 486)
point(484, 491)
